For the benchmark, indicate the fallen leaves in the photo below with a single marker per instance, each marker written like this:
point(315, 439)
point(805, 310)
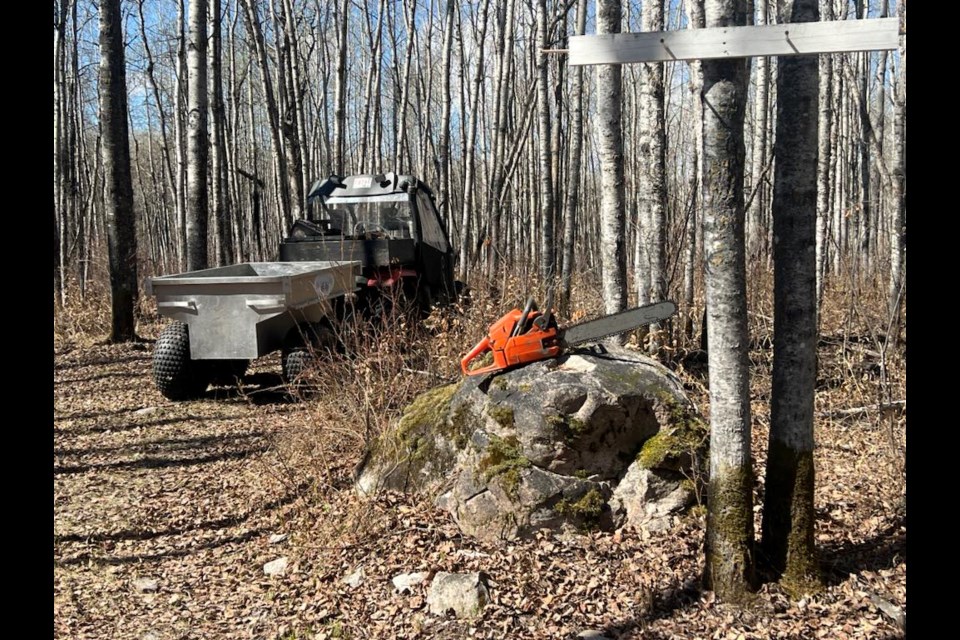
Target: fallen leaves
point(166, 513)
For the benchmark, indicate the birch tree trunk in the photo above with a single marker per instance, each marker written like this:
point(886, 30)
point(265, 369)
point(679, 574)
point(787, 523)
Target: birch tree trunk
point(340, 114)
point(899, 183)
point(652, 185)
point(613, 256)
point(60, 157)
point(291, 116)
point(576, 151)
point(218, 168)
point(446, 187)
point(118, 185)
point(756, 229)
point(197, 137)
point(279, 155)
point(862, 244)
point(180, 102)
point(155, 90)
point(546, 168)
point(729, 543)
point(696, 21)
point(501, 117)
point(401, 152)
point(787, 538)
point(825, 149)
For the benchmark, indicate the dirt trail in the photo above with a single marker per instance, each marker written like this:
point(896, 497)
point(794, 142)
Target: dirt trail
point(162, 511)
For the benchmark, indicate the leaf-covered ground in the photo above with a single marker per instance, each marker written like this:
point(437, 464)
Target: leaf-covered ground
point(165, 514)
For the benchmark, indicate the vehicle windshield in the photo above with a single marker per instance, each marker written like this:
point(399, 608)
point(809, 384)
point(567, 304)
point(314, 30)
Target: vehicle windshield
point(370, 216)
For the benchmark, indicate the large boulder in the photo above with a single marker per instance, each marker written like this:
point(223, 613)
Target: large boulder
point(595, 438)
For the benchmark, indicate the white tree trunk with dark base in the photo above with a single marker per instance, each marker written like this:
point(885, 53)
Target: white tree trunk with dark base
point(729, 545)
point(118, 185)
point(197, 150)
point(788, 515)
point(613, 255)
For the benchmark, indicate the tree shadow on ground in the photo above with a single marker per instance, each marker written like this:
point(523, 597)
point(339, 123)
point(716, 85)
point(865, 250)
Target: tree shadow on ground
point(257, 388)
point(99, 362)
point(160, 462)
point(99, 376)
point(885, 550)
point(207, 525)
point(102, 428)
point(89, 415)
point(137, 558)
point(169, 444)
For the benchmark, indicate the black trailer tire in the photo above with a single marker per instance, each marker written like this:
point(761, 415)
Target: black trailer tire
point(177, 376)
point(294, 362)
point(303, 346)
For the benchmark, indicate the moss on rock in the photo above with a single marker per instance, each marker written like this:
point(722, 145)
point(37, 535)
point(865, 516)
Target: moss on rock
point(503, 459)
point(681, 441)
point(570, 428)
point(430, 409)
point(587, 509)
point(502, 416)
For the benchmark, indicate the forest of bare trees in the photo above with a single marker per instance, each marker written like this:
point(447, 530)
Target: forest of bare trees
point(188, 132)
point(475, 99)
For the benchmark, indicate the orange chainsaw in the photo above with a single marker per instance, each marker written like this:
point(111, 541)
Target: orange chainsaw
point(526, 336)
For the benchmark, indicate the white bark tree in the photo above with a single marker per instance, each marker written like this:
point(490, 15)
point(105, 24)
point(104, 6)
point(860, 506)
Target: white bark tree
point(197, 149)
point(898, 220)
point(730, 535)
point(609, 132)
point(652, 185)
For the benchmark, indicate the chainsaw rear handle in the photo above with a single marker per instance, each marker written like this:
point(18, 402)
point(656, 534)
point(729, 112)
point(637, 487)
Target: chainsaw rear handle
point(482, 347)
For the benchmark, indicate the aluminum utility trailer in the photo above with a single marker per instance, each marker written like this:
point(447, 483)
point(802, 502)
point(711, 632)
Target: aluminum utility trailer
point(226, 316)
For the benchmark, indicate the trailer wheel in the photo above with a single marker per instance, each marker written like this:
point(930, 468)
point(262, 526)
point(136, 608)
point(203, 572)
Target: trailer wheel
point(303, 345)
point(177, 376)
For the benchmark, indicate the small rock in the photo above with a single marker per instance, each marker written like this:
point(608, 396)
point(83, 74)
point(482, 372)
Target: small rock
point(277, 538)
point(463, 593)
point(144, 411)
point(145, 585)
point(355, 578)
point(276, 567)
point(406, 581)
point(150, 635)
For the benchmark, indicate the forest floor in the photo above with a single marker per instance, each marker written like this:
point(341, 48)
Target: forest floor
point(166, 513)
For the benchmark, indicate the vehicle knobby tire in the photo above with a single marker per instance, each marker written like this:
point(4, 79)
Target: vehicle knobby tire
point(303, 347)
point(177, 376)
